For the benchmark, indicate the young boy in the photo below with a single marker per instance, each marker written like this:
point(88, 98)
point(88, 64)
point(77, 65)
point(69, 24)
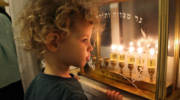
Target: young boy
point(60, 32)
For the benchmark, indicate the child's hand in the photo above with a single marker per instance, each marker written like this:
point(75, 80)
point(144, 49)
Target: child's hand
point(113, 95)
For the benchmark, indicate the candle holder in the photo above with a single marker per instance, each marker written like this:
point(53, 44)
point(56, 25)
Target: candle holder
point(100, 60)
point(113, 56)
point(121, 65)
point(151, 73)
point(130, 67)
point(140, 70)
point(94, 60)
point(113, 64)
point(106, 62)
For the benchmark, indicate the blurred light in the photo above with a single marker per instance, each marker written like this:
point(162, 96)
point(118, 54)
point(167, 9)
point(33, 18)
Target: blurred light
point(177, 42)
point(169, 46)
point(131, 49)
point(131, 43)
point(151, 40)
point(140, 50)
point(114, 47)
point(156, 41)
point(152, 51)
point(120, 48)
point(138, 43)
point(148, 45)
point(156, 51)
point(156, 46)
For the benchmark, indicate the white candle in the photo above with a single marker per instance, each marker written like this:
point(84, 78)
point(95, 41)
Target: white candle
point(113, 54)
point(139, 60)
point(121, 56)
point(131, 58)
point(151, 60)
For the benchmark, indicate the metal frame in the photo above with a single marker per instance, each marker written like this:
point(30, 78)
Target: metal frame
point(176, 43)
point(163, 44)
point(162, 50)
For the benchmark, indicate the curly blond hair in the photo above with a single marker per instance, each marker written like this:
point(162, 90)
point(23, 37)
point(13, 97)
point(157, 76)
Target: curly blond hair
point(43, 16)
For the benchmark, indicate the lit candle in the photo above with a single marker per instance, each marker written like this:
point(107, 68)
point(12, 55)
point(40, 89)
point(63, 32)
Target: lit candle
point(114, 47)
point(131, 58)
point(151, 64)
point(151, 60)
point(139, 60)
point(113, 55)
point(140, 63)
point(121, 56)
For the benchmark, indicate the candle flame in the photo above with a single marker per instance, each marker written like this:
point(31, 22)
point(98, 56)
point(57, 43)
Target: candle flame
point(120, 48)
point(114, 47)
point(131, 43)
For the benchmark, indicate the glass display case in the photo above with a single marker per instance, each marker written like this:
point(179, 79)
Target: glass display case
point(138, 49)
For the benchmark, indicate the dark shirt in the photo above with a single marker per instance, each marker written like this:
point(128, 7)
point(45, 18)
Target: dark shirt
point(48, 87)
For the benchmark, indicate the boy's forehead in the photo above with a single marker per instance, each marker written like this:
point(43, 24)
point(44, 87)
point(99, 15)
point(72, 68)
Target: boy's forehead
point(81, 28)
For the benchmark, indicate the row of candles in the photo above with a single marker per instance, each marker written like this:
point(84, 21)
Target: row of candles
point(132, 57)
point(118, 53)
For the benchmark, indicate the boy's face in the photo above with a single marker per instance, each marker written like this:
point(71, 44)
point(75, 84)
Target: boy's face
point(75, 49)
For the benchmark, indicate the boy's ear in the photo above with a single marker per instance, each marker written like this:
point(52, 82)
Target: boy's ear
point(52, 41)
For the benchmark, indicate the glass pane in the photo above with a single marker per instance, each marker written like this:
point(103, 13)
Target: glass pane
point(129, 47)
point(129, 44)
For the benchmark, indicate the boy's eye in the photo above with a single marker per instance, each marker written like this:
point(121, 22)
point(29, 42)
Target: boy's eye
point(85, 40)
